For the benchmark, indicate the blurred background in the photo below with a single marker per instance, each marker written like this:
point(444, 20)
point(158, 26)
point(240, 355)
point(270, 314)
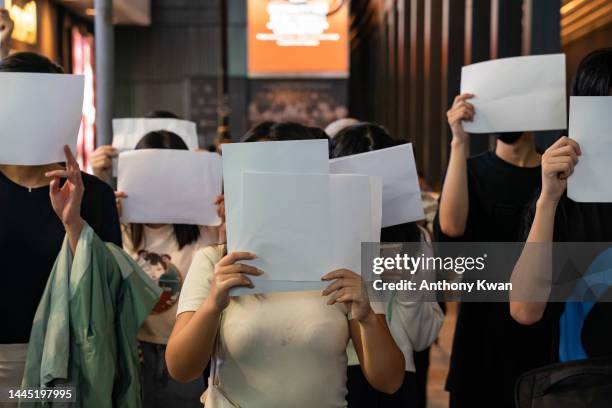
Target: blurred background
point(229, 64)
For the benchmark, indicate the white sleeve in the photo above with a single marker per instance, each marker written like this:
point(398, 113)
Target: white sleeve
point(415, 325)
point(197, 283)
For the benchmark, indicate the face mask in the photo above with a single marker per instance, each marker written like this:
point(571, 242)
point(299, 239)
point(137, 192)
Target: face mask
point(509, 137)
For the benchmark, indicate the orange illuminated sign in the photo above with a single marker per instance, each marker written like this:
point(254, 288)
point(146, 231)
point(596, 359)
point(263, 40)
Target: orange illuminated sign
point(298, 37)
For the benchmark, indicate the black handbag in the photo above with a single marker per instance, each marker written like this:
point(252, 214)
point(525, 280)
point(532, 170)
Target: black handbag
point(576, 384)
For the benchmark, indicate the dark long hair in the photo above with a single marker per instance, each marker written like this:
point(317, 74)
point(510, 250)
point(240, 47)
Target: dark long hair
point(366, 137)
point(184, 234)
point(29, 62)
point(282, 131)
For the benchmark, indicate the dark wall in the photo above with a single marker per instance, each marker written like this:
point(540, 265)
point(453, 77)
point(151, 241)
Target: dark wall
point(406, 59)
point(578, 49)
point(173, 65)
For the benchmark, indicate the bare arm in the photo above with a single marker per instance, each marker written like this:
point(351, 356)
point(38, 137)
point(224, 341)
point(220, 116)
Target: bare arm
point(454, 202)
point(532, 276)
point(191, 343)
point(382, 362)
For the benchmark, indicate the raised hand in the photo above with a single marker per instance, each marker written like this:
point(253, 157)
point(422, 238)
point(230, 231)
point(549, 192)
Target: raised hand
point(557, 165)
point(66, 199)
point(348, 288)
point(459, 112)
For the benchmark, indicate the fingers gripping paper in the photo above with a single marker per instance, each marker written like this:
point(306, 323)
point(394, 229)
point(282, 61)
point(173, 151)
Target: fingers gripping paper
point(396, 167)
point(169, 186)
point(516, 94)
point(591, 126)
point(39, 114)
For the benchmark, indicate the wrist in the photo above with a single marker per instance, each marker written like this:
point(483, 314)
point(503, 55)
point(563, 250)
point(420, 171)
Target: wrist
point(369, 317)
point(73, 225)
point(546, 202)
point(212, 307)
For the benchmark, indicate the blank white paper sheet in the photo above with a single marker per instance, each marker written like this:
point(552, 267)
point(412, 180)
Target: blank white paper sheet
point(516, 94)
point(39, 114)
point(170, 186)
point(591, 126)
point(396, 167)
point(128, 132)
point(302, 226)
point(302, 156)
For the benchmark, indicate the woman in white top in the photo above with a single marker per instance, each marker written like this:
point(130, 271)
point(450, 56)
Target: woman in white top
point(165, 253)
point(277, 349)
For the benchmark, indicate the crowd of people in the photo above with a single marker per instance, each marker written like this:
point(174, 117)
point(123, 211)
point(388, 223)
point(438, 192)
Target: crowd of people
point(334, 348)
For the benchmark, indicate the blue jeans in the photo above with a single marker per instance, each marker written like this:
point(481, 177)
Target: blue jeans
point(159, 389)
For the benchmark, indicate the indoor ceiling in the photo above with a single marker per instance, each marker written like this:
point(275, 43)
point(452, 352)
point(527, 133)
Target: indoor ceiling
point(580, 17)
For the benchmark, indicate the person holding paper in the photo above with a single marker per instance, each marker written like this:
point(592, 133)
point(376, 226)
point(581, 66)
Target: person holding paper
point(6, 30)
point(277, 349)
point(165, 253)
point(31, 234)
point(483, 200)
point(102, 157)
point(415, 324)
point(554, 217)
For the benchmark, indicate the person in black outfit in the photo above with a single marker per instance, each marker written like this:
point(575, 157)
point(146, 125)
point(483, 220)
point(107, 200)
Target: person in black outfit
point(554, 217)
point(483, 200)
point(31, 234)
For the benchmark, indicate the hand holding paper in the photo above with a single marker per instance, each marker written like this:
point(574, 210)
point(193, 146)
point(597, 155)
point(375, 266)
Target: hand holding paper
point(516, 94)
point(166, 186)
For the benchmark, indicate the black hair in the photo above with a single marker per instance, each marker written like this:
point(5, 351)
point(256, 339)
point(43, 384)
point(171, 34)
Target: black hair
point(594, 74)
point(361, 138)
point(29, 62)
point(279, 131)
point(161, 114)
point(185, 234)
point(366, 137)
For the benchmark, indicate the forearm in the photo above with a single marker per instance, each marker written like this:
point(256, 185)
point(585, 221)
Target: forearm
point(381, 360)
point(454, 202)
point(192, 341)
point(73, 232)
point(532, 275)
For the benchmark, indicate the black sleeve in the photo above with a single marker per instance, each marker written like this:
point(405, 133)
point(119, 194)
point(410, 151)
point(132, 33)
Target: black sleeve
point(99, 210)
point(110, 229)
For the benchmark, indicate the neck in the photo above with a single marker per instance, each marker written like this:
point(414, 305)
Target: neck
point(522, 153)
point(29, 176)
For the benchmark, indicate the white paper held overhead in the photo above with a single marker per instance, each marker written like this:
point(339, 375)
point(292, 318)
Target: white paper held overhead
point(39, 114)
point(516, 94)
point(591, 126)
point(396, 167)
point(170, 186)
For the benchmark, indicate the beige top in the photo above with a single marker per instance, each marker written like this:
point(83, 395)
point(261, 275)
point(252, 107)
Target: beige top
point(160, 257)
point(277, 349)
